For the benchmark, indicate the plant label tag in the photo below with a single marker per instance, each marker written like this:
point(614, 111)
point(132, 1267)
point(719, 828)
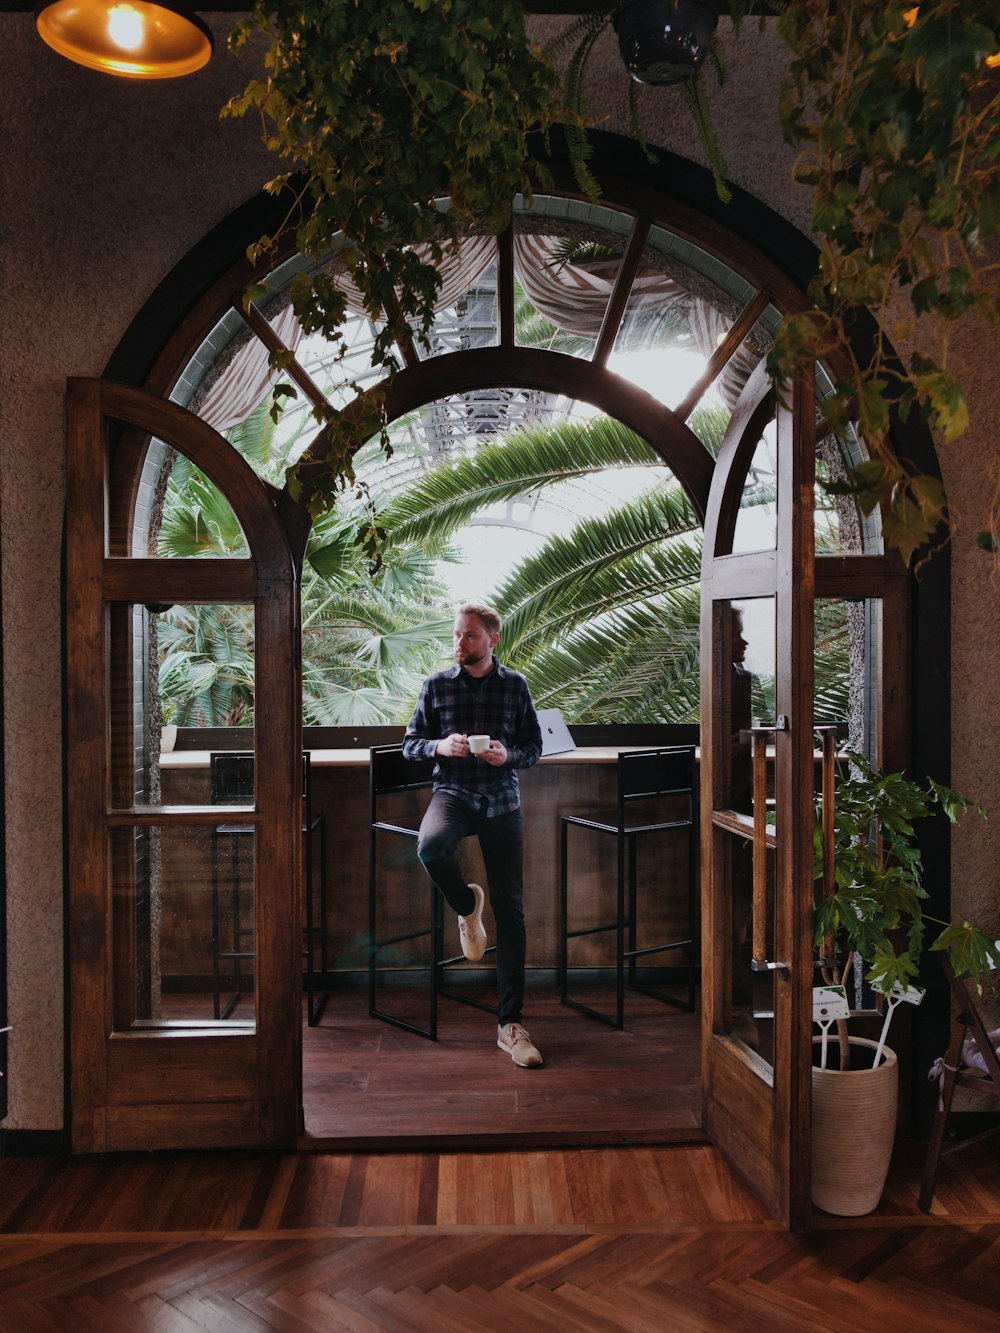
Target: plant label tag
point(830, 1002)
point(906, 994)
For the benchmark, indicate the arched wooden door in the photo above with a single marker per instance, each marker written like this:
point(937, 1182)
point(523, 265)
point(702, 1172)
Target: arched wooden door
point(184, 889)
point(757, 860)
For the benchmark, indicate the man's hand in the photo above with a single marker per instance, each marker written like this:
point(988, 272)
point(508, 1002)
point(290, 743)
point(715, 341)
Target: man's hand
point(455, 746)
point(496, 754)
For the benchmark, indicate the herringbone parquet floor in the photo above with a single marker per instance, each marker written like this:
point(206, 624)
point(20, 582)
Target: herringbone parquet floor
point(603, 1239)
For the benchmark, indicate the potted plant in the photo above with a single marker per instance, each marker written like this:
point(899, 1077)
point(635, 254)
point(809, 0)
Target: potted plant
point(871, 908)
point(168, 727)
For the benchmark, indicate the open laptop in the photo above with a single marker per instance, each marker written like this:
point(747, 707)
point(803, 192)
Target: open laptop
point(555, 733)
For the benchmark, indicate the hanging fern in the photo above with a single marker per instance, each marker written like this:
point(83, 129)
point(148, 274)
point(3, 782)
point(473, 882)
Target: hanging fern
point(694, 95)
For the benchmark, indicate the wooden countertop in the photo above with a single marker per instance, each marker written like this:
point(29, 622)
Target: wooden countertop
point(584, 754)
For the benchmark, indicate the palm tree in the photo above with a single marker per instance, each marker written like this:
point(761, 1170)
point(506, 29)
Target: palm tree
point(207, 665)
point(367, 642)
point(604, 619)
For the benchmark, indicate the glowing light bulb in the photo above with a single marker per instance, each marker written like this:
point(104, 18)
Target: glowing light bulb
point(125, 27)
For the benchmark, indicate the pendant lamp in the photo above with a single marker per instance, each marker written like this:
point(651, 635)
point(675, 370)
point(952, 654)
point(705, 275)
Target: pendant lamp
point(665, 41)
point(134, 38)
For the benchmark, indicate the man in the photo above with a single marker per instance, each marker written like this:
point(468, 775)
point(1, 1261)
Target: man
point(478, 794)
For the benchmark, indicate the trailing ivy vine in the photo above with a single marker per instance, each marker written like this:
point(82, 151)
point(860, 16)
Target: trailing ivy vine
point(387, 108)
point(382, 110)
point(896, 113)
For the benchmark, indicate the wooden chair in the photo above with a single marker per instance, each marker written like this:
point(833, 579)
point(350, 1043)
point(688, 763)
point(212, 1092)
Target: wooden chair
point(969, 1021)
point(645, 777)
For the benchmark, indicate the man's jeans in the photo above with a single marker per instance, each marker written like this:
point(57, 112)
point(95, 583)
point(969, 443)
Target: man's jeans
point(447, 821)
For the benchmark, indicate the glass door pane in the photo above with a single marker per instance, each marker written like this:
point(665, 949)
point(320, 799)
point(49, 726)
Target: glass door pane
point(184, 900)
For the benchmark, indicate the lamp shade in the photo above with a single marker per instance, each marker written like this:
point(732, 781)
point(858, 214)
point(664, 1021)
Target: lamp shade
point(664, 41)
point(133, 38)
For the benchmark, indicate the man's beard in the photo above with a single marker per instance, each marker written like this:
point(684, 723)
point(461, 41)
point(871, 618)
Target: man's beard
point(466, 659)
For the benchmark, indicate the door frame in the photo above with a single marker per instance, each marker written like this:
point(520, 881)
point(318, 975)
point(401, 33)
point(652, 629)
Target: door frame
point(759, 1116)
point(749, 236)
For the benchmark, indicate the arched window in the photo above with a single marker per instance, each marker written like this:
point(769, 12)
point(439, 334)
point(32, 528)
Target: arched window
point(583, 567)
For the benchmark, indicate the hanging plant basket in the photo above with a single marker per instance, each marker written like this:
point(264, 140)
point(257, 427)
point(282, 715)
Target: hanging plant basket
point(854, 1128)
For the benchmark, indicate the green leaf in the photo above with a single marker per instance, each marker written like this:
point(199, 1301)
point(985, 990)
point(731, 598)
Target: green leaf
point(971, 951)
point(869, 482)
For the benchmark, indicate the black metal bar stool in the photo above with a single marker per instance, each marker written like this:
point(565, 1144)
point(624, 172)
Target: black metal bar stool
point(232, 783)
point(390, 773)
point(643, 776)
point(314, 934)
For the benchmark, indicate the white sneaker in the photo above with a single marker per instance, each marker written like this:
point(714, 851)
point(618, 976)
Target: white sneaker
point(471, 930)
point(514, 1039)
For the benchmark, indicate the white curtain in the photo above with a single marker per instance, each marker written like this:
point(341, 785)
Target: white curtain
point(574, 298)
point(246, 380)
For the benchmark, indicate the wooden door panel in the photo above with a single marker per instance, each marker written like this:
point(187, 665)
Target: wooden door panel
point(739, 1116)
point(219, 1068)
point(165, 1125)
point(139, 1082)
point(757, 1108)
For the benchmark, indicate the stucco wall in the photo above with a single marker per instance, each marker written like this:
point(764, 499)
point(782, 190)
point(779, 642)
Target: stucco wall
point(969, 467)
point(104, 185)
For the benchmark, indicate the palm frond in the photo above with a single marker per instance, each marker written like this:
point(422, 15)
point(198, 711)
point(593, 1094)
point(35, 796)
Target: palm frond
point(533, 329)
point(574, 250)
point(709, 424)
point(832, 674)
point(197, 518)
point(329, 703)
point(336, 558)
point(449, 497)
point(598, 564)
point(375, 635)
point(649, 575)
point(675, 697)
point(596, 671)
point(254, 438)
point(207, 664)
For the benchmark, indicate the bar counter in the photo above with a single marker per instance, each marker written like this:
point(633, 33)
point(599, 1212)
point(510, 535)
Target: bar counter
point(588, 754)
point(581, 781)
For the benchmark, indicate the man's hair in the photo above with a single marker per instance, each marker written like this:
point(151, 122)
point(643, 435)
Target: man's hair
point(489, 617)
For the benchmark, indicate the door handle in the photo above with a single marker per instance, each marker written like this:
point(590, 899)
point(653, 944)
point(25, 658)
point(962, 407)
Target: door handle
point(758, 961)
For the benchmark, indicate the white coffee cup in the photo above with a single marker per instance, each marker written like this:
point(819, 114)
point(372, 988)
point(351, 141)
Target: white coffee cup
point(479, 744)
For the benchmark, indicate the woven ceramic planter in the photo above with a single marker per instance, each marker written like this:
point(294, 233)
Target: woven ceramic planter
point(854, 1127)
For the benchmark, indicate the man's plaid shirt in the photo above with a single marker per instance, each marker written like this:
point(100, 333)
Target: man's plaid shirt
point(501, 708)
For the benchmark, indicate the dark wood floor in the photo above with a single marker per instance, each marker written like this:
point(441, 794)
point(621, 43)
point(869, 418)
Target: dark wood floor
point(603, 1239)
point(370, 1084)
